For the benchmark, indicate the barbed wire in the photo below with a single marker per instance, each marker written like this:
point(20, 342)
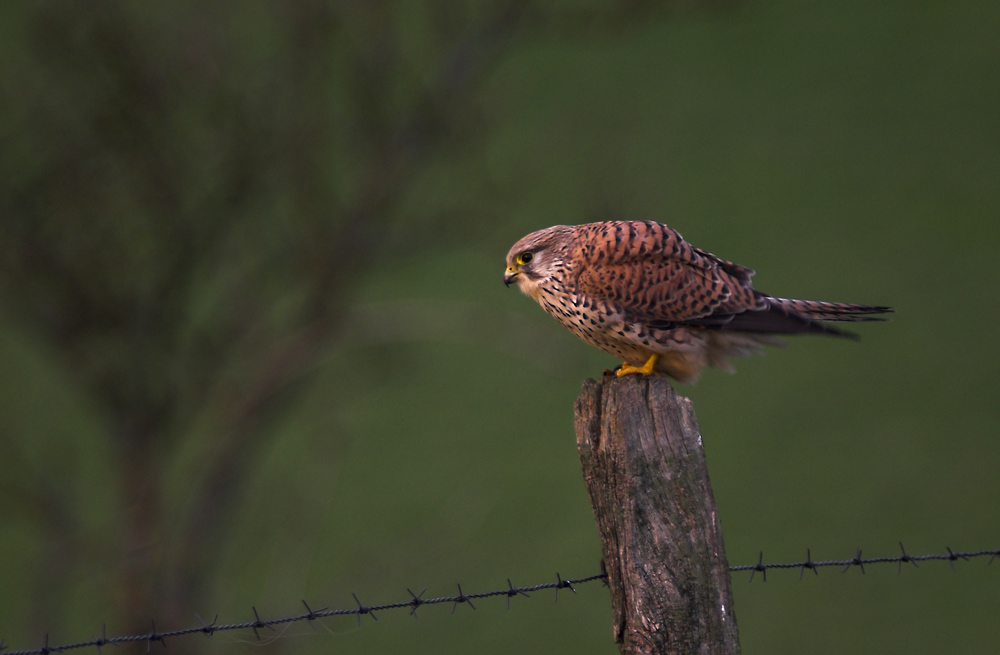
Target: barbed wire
point(417, 600)
point(208, 629)
point(860, 562)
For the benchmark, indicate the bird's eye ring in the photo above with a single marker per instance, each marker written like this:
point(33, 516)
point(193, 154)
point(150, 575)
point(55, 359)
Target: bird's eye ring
point(525, 257)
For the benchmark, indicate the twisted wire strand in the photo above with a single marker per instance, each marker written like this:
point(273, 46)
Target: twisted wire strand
point(417, 600)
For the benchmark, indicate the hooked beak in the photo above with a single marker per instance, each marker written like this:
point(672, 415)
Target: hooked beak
point(509, 275)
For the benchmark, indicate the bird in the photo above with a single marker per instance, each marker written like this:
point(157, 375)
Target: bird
point(638, 291)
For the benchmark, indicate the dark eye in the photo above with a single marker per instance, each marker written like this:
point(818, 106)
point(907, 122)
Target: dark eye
point(526, 256)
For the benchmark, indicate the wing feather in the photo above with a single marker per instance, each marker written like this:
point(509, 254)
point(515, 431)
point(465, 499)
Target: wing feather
point(651, 275)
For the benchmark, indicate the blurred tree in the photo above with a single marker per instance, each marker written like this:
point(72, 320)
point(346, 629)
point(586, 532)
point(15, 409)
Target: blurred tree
point(190, 193)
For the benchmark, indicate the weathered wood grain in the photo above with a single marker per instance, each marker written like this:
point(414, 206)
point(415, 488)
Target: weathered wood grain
point(644, 468)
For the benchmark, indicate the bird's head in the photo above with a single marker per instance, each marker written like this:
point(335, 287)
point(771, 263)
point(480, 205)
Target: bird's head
point(537, 257)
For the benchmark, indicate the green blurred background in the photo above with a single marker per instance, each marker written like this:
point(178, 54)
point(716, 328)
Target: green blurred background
point(254, 345)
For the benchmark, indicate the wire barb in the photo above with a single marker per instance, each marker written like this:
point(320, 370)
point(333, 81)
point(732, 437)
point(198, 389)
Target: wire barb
point(362, 609)
point(311, 615)
point(905, 557)
point(208, 629)
point(562, 584)
point(154, 636)
point(808, 564)
point(417, 601)
point(98, 641)
point(259, 624)
point(513, 591)
point(461, 598)
point(857, 561)
point(759, 567)
point(952, 556)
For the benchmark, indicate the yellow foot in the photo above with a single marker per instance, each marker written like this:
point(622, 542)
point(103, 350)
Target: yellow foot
point(645, 369)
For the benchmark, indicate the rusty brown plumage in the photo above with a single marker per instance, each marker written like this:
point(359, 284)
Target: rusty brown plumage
point(638, 291)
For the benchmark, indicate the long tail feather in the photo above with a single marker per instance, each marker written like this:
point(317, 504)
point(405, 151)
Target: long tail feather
point(819, 310)
point(793, 316)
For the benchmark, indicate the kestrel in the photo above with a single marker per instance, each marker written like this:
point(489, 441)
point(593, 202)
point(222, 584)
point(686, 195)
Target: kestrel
point(640, 292)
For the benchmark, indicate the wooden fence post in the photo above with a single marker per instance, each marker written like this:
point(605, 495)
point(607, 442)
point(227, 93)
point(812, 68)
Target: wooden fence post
point(644, 467)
